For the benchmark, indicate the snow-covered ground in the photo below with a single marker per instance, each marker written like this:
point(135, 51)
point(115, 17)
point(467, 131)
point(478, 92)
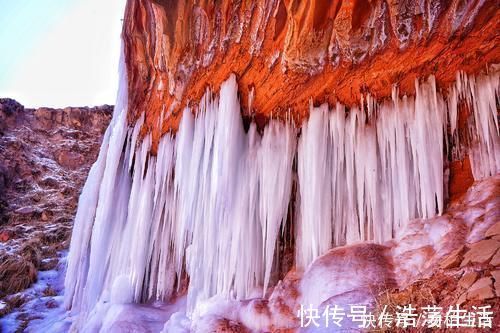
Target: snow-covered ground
point(45, 312)
point(43, 304)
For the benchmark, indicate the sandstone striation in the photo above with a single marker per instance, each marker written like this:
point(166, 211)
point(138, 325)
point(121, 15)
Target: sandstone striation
point(286, 53)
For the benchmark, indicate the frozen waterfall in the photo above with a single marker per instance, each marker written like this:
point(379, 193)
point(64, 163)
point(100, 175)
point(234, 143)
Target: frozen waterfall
point(214, 202)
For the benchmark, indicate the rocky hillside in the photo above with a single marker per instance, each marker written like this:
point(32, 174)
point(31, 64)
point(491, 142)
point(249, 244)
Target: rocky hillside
point(45, 155)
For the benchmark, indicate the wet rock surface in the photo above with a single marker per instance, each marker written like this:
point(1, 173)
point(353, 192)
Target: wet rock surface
point(45, 155)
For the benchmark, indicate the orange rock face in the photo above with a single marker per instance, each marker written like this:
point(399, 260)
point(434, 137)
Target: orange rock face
point(287, 52)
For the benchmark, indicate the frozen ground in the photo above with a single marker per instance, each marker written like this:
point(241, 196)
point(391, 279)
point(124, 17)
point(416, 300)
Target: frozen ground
point(42, 303)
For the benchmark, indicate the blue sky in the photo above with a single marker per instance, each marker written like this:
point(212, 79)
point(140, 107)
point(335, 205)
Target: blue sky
point(60, 52)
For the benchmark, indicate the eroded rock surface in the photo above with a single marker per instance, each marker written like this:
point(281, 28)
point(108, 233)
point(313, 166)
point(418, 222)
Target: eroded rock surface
point(287, 52)
point(468, 275)
point(45, 158)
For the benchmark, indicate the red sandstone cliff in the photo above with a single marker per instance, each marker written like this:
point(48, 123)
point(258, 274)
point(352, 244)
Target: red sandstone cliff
point(286, 52)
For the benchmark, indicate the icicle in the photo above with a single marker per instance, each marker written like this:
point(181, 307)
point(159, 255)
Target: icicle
point(93, 203)
point(480, 94)
point(314, 232)
point(210, 205)
point(361, 178)
point(275, 169)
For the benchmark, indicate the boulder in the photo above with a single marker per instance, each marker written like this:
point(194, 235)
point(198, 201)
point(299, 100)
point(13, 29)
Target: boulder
point(69, 159)
point(481, 290)
point(494, 230)
point(468, 279)
point(5, 235)
point(495, 261)
point(481, 252)
point(362, 268)
point(453, 259)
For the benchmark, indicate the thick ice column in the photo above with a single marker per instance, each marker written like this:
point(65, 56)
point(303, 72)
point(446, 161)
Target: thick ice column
point(239, 201)
point(162, 271)
point(314, 225)
point(427, 140)
point(481, 95)
point(341, 161)
point(275, 182)
point(210, 259)
point(364, 174)
point(84, 278)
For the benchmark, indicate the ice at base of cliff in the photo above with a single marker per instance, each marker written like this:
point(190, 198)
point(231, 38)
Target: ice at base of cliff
point(113, 317)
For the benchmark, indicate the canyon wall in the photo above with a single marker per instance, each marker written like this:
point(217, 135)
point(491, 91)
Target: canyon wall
point(286, 53)
point(251, 137)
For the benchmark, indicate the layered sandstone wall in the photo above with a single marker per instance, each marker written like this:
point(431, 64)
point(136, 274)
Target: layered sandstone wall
point(286, 53)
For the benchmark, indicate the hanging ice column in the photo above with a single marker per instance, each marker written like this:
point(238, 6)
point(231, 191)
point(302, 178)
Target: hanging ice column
point(140, 229)
point(382, 165)
point(93, 220)
point(233, 190)
point(210, 205)
point(479, 95)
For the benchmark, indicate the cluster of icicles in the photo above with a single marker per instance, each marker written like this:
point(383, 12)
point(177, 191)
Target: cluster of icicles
point(213, 203)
